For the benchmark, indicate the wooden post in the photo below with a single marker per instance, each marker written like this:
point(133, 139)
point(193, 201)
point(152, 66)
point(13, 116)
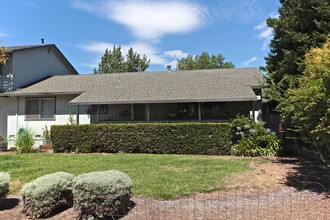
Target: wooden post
point(252, 114)
point(97, 114)
point(132, 112)
point(147, 111)
point(199, 112)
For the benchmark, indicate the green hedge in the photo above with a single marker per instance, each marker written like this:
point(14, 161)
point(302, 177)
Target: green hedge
point(158, 138)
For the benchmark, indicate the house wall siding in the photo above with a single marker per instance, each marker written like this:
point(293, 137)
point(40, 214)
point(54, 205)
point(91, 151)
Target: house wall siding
point(32, 65)
point(62, 115)
point(6, 105)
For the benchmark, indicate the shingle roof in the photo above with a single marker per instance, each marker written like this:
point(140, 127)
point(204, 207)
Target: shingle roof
point(152, 87)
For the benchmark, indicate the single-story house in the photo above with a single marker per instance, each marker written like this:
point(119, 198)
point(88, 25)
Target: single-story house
point(169, 96)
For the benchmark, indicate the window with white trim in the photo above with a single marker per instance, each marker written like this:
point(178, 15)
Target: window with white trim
point(39, 108)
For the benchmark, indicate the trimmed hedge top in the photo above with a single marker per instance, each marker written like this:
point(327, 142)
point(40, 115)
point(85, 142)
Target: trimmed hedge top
point(99, 195)
point(106, 182)
point(159, 138)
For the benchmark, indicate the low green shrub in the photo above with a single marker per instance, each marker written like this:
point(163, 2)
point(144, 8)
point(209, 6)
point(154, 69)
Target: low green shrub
point(99, 195)
point(157, 138)
point(246, 147)
point(24, 140)
point(4, 184)
point(3, 143)
point(251, 138)
point(47, 194)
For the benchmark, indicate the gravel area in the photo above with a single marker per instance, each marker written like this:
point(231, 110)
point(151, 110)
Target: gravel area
point(286, 203)
point(284, 191)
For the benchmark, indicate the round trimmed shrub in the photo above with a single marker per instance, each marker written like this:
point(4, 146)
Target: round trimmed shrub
point(99, 195)
point(4, 184)
point(47, 194)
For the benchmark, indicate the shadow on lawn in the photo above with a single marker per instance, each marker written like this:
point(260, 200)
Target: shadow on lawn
point(308, 174)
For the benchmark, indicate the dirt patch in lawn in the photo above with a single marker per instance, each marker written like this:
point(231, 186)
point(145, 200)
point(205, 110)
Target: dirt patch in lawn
point(277, 189)
point(262, 175)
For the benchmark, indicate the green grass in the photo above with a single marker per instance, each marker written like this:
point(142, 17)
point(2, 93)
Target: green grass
point(156, 176)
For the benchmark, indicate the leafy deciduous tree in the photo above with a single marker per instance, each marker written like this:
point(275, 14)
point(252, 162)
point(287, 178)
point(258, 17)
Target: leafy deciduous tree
point(3, 55)
point(203, 61)
point(113, 61)
point(307, 107)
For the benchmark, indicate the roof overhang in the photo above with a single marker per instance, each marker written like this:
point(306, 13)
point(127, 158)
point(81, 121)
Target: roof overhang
point(13, 94)
point(165, 101)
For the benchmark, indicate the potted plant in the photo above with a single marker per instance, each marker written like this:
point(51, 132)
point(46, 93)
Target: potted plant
point(46, 143)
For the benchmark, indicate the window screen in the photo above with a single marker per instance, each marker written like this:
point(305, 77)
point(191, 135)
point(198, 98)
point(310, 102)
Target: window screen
point(40, 108)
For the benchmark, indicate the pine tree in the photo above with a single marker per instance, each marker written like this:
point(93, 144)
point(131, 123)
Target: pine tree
point(301, 25)
point(113, 61)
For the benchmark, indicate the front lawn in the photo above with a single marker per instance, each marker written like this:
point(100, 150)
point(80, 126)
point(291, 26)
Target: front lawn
point(156, 176)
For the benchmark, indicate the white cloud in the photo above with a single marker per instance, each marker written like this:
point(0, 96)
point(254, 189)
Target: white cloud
point(249, 61)
point(142, 48)
point(241, 11)
point(156, 57)
point(177, 54)
point(96, 46)
point(174, 56)
point(265, 32)
point(149, 20)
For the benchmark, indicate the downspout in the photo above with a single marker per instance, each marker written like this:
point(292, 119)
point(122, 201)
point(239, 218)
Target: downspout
point(16, 115)
point(77, 119)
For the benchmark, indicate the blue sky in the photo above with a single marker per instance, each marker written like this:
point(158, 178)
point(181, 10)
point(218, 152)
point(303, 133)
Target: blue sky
point(163, 30)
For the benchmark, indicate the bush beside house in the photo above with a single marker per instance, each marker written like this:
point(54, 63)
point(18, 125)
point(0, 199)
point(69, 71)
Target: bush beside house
point(24, 140)
point(158, 138)
point(3, 143)
point(251, 138)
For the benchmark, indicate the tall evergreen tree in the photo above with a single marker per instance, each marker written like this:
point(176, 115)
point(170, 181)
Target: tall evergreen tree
point(134, 62)
point(113, 61)
point(204, 61)
point(301, 25)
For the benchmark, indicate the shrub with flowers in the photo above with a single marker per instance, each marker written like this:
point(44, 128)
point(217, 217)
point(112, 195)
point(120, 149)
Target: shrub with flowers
point(251, 138)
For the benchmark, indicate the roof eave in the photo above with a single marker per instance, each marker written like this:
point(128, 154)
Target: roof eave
point(38, 94)
point(164, 101)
